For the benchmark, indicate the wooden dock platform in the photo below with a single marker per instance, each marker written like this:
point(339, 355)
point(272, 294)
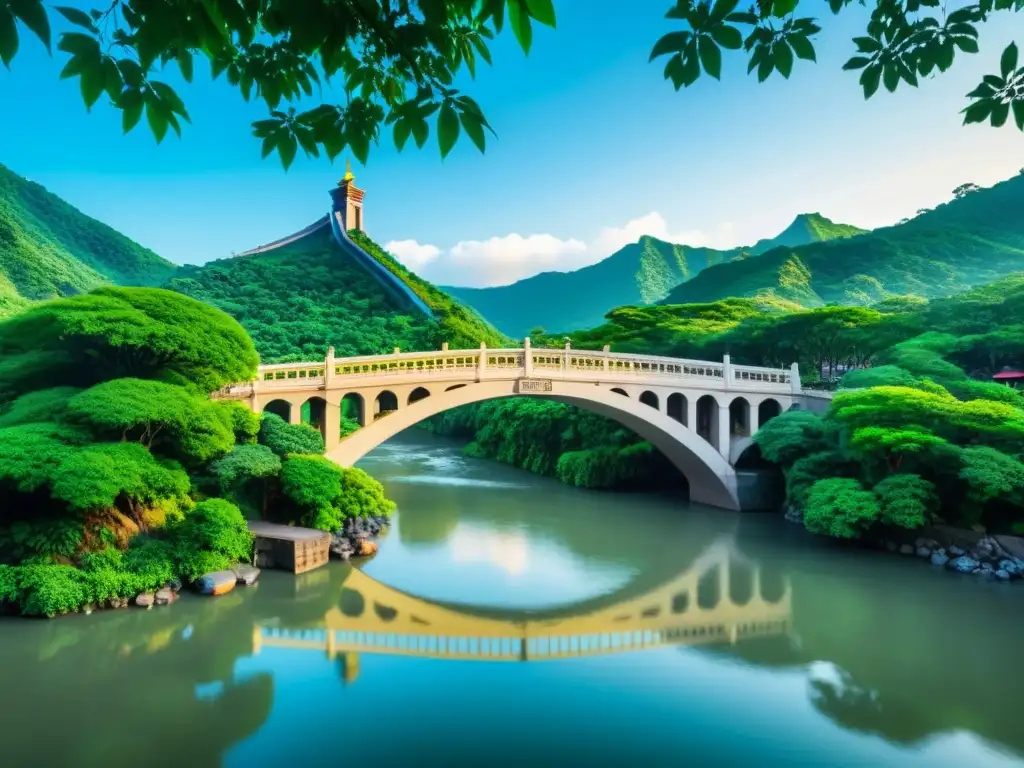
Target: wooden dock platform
point(289, 547)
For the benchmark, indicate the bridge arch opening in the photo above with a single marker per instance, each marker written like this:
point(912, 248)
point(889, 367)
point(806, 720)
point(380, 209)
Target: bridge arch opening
point(709, 589)
point(386, 402)
point(773, 585)
point(282, 408)
point(675, 407)
point(454, 386)
point(739, 417)
point(418, 394)
point(353, 412)
point(619, 391)
point(707, 418)
point(649, 398)
point(767, 410)
point(314, 413)
point(741, 583)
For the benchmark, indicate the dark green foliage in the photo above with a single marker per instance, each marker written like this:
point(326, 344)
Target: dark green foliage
point(123, 475)
point(245, 473)
point(325, 495)
point(792, 435)
point(639, 273)
point(906, 501)
point(284, 438)
point(41, 405)
point(213, 535)
point(167, 419)
point(123, 332)
point(840, 507)
point(967, 242)
point(302, 298)
point(558, 440)
point(880, 376)
point(49, 249)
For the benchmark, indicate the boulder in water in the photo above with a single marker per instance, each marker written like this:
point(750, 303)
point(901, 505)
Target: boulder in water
point(365, 548)
point(216, 583)
point(939, 557)
point(962, 564)
point(165, 596)
point(145, 600)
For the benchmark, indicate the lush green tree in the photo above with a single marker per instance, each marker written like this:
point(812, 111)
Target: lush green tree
point(890, 446)
point(906, 501)
point(124, 476)
point(398, 60)
point(164, 418)
point(245, 466)
point(792, 435)
point(326, 494)
point(284, 438)
point(991, 474)
point(822, 465)
point(840, 507)
point(41, 405)
point(212, 536)
point(880, 376)
point(111, 333)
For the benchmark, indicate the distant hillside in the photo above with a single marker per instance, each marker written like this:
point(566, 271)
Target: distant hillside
point(298, 299)
point(640, 273)
point(963, 243)
point(49, 248)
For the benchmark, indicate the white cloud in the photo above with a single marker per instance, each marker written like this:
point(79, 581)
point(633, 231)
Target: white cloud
point(412, 254)
point(503, 260)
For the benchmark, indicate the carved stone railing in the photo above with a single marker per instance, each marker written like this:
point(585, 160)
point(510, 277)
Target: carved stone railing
point(523, 362)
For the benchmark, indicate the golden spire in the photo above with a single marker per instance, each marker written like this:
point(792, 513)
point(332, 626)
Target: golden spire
point(349, 176)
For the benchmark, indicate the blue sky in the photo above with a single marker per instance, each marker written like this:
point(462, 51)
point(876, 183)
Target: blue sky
point(594, 149)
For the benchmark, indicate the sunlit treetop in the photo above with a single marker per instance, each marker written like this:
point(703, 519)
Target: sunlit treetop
point(394, 61)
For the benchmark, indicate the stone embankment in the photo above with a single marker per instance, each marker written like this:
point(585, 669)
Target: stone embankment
point(358, 537)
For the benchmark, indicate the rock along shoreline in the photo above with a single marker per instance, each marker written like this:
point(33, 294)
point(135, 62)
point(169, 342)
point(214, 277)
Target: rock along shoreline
point(992, 558)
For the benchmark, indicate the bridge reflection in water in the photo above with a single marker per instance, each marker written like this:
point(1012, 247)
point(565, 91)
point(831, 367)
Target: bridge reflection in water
point(720, 598)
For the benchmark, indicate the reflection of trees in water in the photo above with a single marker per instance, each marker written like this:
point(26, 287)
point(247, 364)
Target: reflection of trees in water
point(119, 687)
point(428, 526)
point(915, 653)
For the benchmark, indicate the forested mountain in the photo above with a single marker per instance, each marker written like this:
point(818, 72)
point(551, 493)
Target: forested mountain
point(969, 241)
point(643, 272)
point(297, 300)
point(49, 248)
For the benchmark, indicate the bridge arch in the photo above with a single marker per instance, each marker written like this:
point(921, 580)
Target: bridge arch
point(649, 398)
point(712, 479)
point(418, 394)
point(279, 407)
point(385, 402)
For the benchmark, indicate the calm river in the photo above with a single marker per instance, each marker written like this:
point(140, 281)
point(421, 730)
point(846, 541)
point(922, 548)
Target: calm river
point(510, 620)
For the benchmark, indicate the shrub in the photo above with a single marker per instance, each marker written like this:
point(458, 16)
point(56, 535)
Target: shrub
point(284, 438)
point(325, 494)
point(881, 376)
point(51, 590)
point(840, 507)
point(215, 526)
point(8, 584)
point(906, 501)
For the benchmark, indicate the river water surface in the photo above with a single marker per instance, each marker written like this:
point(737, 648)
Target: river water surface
point(510, 620)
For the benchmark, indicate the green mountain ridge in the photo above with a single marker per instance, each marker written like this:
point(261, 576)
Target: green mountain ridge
point(296, 300)
point(49, 248)
point(963, 243)
point(644, 272)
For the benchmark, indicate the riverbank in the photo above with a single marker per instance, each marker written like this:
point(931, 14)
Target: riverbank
point(995, 557)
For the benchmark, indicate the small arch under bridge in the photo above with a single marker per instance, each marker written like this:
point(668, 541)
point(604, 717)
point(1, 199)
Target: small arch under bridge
point(700, 414)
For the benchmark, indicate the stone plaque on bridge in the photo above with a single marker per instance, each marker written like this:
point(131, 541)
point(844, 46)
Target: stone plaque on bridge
point(535, 385)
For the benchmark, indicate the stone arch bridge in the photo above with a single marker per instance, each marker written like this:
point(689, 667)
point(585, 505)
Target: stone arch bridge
point(701, 415)
point(720, 598)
